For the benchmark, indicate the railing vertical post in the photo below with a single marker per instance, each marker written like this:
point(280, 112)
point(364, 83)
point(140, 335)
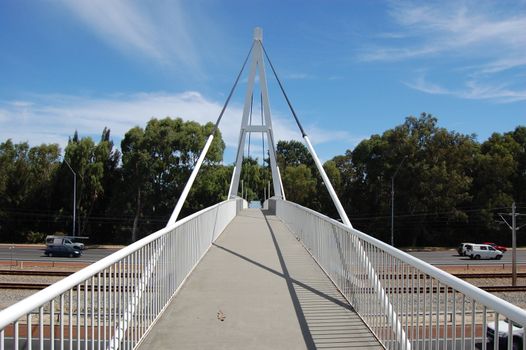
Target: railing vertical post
point(473, 324)
point(29, 339)
point(86, 340)
point(454, 320)
point(463, 324)
point(16, 336)
point(61, 315)
point(51, 325)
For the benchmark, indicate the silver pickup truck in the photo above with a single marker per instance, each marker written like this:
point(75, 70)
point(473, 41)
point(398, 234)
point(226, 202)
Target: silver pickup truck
point(57, 240)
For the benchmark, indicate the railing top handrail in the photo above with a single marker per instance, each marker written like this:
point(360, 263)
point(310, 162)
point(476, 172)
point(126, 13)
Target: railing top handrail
point(499, 305)
point(15, 311)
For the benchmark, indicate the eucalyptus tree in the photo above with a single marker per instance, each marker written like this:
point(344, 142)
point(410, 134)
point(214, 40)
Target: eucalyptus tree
point(299, 184)
point(26, 178)
point(95, 166)
point(325, 203)
point(432, 186)
point(499, 178)
point(293, 153)
point(157, 161)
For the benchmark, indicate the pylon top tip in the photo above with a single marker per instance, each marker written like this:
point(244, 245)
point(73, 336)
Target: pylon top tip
point(258, 33)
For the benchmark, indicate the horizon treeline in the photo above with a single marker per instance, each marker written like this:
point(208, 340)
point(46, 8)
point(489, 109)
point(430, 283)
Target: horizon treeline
point(448, 187)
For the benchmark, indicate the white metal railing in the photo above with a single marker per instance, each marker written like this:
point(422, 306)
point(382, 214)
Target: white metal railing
point(114, 302)
point(406, 302)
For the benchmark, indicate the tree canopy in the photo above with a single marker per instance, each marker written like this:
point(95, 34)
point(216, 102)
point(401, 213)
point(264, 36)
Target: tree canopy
point(447, 186)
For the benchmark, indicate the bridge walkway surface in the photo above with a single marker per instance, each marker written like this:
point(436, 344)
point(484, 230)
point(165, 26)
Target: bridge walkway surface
point(258, 288)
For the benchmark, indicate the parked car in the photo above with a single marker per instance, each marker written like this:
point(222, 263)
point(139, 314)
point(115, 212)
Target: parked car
point(517, 332)
point(62, 250)
point(498, 247)
point(482, 251)
point(462, 248)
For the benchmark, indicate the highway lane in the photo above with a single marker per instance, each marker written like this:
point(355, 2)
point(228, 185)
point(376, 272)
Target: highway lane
point(438, 257)
point(36, 253)
point(451, 257)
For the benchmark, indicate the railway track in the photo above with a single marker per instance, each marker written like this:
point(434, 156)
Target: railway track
point(35, 273)
point(492, 275)
point(23, 286)
point(487, 275)
point(49, 273)
point(427, 290)
point(40, 286)
point(464, 276)
point(441, 290)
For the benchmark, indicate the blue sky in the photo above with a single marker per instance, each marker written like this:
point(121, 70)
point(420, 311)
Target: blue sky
point(350, 68)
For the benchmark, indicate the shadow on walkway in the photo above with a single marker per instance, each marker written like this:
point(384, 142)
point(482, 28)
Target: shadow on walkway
point(326, 320)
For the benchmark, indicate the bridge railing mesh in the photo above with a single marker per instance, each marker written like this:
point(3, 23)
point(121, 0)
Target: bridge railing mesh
point(406, 302)
point(114, 302)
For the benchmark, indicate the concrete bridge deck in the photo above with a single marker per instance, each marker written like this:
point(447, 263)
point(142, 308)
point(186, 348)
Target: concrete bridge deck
point(258, 288)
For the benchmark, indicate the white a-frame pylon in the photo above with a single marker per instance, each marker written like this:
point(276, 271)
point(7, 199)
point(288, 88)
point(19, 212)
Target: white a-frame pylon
point(257, 66)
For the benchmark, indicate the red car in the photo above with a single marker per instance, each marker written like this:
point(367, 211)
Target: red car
point(498, 247)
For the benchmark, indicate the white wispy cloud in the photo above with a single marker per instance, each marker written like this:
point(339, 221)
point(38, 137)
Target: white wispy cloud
point(157, 30)
point(481, 40)
point(61, 115)
point(298, 76)
point(500, 93)
point(471, 89)
point(54, 118)
point(3, 116)
point(458, 27)
point(421, 84)
point(501, 65)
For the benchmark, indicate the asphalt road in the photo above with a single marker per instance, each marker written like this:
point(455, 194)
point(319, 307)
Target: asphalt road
point(451, 257)
point(439, 257)
point(36, 253)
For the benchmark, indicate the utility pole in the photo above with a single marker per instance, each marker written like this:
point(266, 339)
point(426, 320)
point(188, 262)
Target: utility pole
point(514, 230)
point(392, 199)
point(74, 195)
point(514, 246)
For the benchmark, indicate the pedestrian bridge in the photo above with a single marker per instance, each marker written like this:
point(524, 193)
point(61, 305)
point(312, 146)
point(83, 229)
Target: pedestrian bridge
point(285, 277)
point(258, 288)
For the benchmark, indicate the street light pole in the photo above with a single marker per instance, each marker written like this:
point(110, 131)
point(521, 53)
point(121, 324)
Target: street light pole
point(513, 227)
point(513, 246)
point(74, 195)
point(392, 200)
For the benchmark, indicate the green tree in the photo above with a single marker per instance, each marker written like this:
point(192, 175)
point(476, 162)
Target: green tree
point(96, 167)
point(499, 179)
point(326, 204)
point(293, 153)
point(519, 178)
point(157, 162)
point(431, 188)
point(26, 177)
point(300, 185)
point(253, 177)
point(210, 187)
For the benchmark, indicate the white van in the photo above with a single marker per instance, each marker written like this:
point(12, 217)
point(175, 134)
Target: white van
point(463, 247)
point(482, 251)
